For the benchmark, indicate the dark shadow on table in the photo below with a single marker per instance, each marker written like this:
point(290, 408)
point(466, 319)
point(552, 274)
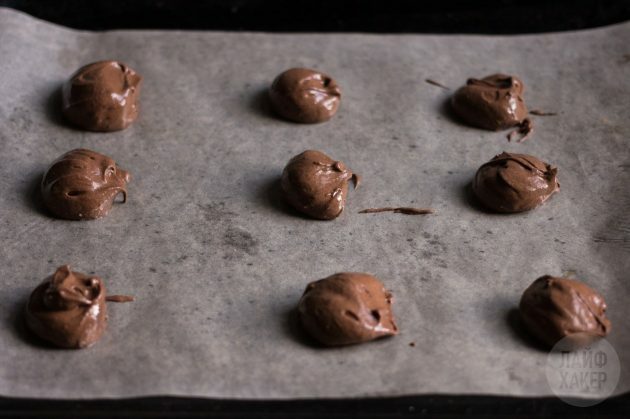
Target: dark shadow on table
point(520, 332)
point(16, 323)
point(446, 110)
point(270, 195)
point(260, 104)
point(470, 199)
point(52, 106)
point(32, 197)
point(295, 331)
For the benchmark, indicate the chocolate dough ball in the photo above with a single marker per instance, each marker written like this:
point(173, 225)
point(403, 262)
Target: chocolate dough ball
point(68, 309)
point(303, 95)
point(102, 96)
point(317, 185)
point(515, 182)
point(493, 103)
point(347, 308)
point(83, 184)
point(554, 308)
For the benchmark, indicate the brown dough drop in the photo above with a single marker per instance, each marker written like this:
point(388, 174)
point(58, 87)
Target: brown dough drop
point(515, 182)
point(82, 185)
point(493, 103)
point(317, 185)
point(303, 95)
point(347, 308)
point(68, 309)
point(102, 96)
point(554, 308)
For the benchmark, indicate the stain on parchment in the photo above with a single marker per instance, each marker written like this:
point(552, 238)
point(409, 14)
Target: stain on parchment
point(435, 250)
point(240, 240)
point(20, 120)
point(215, 212)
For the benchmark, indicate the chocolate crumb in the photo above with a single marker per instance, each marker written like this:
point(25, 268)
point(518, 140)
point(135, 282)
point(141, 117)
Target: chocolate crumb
point(435, 83)
point(525, 129)
point(120, 298)
point(399, 210)
point(538, 112)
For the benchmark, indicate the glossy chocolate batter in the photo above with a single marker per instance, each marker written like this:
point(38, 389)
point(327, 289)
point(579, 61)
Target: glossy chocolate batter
point(554, 308)
point(493, 103)
point(82, 185)
point(317, 185)
point(347, 308)
point(102, 96)
point(68, 309)
point(515, 182)
point(303, 95)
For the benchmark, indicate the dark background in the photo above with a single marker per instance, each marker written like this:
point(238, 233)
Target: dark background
point(442, 16)
point(392, 16)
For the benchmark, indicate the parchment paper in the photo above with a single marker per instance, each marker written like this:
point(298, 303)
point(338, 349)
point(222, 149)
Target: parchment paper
point(215, 261)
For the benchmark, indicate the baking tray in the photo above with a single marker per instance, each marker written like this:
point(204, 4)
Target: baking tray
point(330, 403)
